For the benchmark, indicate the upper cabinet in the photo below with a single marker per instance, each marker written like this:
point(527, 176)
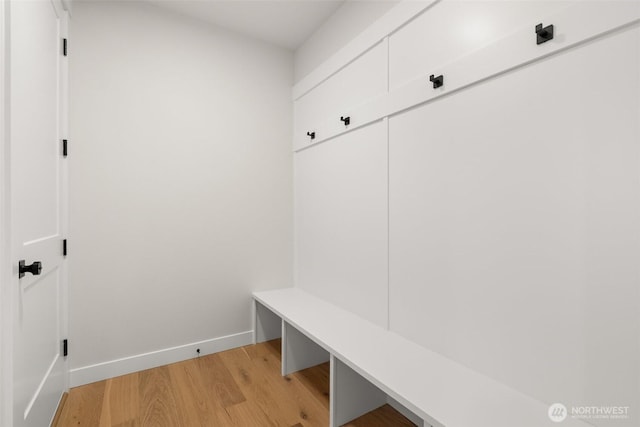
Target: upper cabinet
point(319, 110)
point(451, 29)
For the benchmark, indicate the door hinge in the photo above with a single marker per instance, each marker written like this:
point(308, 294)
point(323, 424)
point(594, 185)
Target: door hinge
point(64, 148)
point(64, 247)
point(64, 47)
point(65, 347)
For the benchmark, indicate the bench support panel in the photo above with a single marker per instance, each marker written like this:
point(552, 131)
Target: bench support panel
point(351, 395)
point(268, 325)
point(298, 351)
point(407, 413)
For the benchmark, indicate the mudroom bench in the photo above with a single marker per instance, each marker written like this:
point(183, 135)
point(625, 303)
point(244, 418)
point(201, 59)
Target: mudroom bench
point(371, 366)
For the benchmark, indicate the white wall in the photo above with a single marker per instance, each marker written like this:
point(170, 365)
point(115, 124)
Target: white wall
point(353, 17)
point(180, 181)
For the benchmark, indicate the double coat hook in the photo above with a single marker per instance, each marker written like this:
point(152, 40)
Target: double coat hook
point(544, 34)
point(437, 81)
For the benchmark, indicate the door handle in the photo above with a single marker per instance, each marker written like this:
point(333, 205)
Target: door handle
point(35, 268)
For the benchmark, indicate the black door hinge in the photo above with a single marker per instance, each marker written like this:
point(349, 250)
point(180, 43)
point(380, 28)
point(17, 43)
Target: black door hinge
point(64, 247)
point(64, 47)
point(65, 347)
point(64, 148)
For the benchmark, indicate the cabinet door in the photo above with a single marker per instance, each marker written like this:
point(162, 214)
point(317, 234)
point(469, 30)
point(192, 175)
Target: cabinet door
point(514, 224)
point(341, 221)
point(361, 80)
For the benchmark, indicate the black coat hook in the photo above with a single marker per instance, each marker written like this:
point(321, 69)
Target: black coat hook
point(544, 34)
point(437, 81)
point(312, 135)
point(346, 120)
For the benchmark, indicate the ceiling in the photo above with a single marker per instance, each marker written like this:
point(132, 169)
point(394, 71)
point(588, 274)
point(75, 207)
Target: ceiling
point(285, 23)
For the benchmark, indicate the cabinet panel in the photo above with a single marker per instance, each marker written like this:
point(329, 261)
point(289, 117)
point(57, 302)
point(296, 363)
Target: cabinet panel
point(361, 80)
point(514, 232)
point(453, 28)
point(341, 221)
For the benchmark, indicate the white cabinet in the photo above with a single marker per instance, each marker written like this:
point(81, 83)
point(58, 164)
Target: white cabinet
point(514, 224)
point(452, 28)
point(320, 109)
point(341, 221)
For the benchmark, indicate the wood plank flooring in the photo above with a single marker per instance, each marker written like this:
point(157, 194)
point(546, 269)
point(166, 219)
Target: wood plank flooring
point(240, 388)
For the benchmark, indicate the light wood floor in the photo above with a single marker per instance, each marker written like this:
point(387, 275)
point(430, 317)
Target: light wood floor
point(241, 387)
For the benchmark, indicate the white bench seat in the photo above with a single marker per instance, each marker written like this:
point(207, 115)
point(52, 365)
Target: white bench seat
point(434, 388)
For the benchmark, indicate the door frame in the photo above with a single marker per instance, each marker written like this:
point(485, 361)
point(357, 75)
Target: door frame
point(6, 294)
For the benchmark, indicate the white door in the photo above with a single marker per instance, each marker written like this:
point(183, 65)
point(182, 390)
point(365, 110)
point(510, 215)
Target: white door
point(37, 209)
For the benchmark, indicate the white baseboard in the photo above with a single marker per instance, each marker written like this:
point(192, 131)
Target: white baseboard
point(139, 362)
